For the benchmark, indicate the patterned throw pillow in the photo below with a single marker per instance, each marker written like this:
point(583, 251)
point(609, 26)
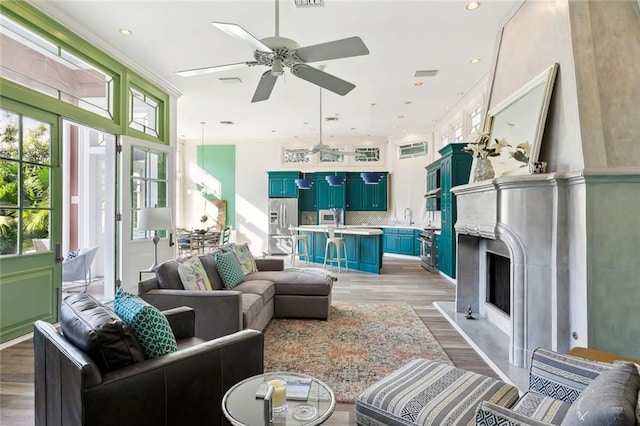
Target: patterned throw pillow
point(229, 269)
point(245, 258)
point(148, 324)
point(193, 275)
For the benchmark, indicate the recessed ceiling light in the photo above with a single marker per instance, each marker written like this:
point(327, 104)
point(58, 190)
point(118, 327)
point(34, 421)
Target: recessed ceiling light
point(460, 93)
point(475, 60)
point(125, 31)
point(353, 128)
point(401, 116)
point(273, 131)
point(418, 83)
point(473, 5)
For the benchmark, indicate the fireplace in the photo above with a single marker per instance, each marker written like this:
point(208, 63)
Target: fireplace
point(499, 282)
point(512, 260)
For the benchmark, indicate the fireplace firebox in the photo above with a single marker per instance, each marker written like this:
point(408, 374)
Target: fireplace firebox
point(499, 282)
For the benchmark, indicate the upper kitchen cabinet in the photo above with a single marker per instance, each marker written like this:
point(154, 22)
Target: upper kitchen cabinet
point(366, 197)
point(455, 166)
point(328, 196)
point(308, 198)
point(283, 184)
point(433, 186)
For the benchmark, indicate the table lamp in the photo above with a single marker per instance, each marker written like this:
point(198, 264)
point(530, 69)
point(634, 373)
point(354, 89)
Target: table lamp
point(154, 219)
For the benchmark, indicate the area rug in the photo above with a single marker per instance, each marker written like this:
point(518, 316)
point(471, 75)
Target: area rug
point(358, 345)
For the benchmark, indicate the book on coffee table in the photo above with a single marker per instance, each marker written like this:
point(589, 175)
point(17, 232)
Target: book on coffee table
point(297, 389)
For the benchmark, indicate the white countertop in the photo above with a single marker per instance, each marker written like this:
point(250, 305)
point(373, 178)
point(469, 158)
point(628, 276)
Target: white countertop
point(350, 230)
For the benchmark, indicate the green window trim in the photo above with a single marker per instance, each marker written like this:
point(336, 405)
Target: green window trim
point(46, 27)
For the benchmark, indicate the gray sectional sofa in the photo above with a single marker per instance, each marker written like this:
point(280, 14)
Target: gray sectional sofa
point(271, 291)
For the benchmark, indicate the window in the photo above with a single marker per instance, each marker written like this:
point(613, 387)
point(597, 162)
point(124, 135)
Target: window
point(144, 112)
point(457, 132)
point(444, 139)
point(331, 155)
point(34, 62)
point(475, 119)
point(25, 173)
point(148, 185)
point(367, 155)
point(416, 149)
point(295, 156)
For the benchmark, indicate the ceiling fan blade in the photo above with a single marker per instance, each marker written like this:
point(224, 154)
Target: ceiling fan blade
point(263, 91)
point(215, 68)
point(322, 79)
point(239, 33)
point(352, 46)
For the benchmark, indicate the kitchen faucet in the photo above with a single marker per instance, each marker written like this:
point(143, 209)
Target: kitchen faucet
point(410, 215)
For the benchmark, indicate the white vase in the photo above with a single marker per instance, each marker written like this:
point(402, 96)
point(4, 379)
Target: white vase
point(484, 170)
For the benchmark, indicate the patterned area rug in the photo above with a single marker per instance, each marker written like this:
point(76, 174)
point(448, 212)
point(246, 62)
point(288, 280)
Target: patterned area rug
point(357, 346)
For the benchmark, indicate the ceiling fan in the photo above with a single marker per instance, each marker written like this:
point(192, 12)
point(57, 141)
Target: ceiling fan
point(326, 151)
point(279, 52)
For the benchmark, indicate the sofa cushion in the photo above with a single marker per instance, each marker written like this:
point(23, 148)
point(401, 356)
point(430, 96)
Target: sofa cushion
point(229, 269)
point(609, 399)
point(296, 281)
point(543, 408)
point(208, 261)
point(263, 288)
point(193, 276)
point(97, 331)
point(168, 276)
point(245, 258)
point(251, 305)
point(149, 324)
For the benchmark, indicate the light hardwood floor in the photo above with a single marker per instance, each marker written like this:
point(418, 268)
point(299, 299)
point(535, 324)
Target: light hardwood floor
point(402, 281)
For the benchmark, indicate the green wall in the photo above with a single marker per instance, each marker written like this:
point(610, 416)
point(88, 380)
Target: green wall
point(613, 244)
point(219, 161)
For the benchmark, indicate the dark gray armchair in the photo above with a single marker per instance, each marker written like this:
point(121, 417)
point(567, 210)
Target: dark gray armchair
point(182, 388)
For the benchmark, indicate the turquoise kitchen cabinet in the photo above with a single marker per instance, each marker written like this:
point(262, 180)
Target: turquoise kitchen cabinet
point(328, 196)
point(307, 198)
point(433, 186)
point(283, 184)
point(361, 196)
point(455, 166)
point(399, 241)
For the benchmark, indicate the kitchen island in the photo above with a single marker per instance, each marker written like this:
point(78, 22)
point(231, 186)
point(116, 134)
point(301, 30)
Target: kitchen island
point(364, 246)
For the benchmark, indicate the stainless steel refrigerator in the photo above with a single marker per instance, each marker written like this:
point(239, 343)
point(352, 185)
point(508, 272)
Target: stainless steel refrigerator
point(283, 212)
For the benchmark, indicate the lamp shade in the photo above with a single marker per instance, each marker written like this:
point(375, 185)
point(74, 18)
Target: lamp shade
point(304, 183)
point(371, 178)
point(335, 180)
point(154, 218)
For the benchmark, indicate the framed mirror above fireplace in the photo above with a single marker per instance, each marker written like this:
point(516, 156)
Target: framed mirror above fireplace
point(520, 120)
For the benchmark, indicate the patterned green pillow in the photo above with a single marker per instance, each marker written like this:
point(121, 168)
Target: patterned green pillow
point(229, 269)
point(148, 324)
point(245, 258)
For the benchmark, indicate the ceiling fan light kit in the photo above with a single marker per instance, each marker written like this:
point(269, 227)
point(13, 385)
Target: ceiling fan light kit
point(280, 52)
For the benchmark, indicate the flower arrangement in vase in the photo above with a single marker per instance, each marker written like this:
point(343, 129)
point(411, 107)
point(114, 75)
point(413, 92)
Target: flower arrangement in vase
point(481, 149)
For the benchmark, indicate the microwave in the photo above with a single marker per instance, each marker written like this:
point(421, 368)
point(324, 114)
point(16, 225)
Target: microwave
point(325, 217)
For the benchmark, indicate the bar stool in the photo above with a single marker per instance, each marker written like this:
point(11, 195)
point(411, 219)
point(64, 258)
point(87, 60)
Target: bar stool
point(295, 239)
point(335, 243)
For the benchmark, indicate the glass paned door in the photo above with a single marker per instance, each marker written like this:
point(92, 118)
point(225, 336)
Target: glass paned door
point(30, 191)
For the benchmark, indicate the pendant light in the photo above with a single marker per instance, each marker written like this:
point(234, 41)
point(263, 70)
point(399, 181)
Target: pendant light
point(334, 180)
point(304, 183)
point(371, 178)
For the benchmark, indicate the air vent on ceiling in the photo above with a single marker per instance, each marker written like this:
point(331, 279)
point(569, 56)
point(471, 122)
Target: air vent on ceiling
point(331, 118)
point(426, 73)
point(226, 122)
point(309, 3)
point(410, 150)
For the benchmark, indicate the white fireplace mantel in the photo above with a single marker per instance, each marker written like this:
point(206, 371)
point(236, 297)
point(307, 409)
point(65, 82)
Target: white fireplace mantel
point(527, 213)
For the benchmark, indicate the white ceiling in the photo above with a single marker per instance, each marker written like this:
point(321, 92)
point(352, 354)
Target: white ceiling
point(402, 37)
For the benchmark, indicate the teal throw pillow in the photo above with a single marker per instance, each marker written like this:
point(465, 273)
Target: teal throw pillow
point(149, 325)
point(229, 269)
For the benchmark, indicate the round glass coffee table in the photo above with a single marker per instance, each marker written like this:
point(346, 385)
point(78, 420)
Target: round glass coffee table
point(242, 407)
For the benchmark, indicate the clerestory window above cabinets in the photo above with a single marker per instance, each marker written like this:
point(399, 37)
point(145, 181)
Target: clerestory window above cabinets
point(354, 156)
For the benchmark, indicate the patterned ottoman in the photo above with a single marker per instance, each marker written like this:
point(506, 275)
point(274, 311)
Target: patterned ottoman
point(430, 393)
